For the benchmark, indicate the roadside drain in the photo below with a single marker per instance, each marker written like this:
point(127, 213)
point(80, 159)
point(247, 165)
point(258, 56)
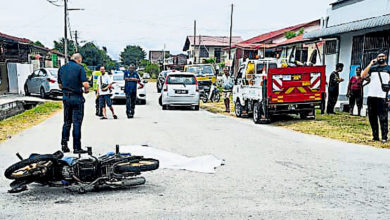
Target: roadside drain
point(16, 107)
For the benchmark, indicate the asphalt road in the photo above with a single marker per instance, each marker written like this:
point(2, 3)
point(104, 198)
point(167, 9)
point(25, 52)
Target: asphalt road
point(270, 172)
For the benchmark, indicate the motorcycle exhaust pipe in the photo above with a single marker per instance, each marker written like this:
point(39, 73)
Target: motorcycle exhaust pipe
point(19, 156)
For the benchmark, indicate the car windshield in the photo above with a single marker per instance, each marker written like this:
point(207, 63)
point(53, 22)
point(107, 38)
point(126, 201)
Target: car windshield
point(53, 72)
point(181, 79)
point(201, 70)
point(261, 66)
point(117, 77)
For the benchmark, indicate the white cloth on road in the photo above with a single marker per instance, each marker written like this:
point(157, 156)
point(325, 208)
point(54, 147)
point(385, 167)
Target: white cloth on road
point(169, 160)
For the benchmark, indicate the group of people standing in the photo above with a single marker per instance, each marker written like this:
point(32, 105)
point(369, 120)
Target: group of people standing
point(73, 81)
point(103, 85)
point(376, 77)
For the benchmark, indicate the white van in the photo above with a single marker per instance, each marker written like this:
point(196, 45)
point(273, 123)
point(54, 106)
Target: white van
point(180, 89)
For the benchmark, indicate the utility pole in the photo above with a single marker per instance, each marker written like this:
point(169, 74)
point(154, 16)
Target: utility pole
point(164, 58)
point(231, 28)
point(194, 42)
point(76, 42)
point(66, 30)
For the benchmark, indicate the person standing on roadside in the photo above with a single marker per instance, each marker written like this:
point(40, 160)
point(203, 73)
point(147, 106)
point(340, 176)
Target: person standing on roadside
point(355, 91)
point(104, 92)
point(132, 79)
point(227, 85)
point(95, 77)
point(72, 79)
point(379, 74)
point(333, 89)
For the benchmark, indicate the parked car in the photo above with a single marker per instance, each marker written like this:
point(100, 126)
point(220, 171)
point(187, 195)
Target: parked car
point(119, 87)
point(161, 79)
point(180, 89)
point(146, 76)
point(44, 82)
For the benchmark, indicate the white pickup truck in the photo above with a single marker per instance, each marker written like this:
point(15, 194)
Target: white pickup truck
point(264, 90)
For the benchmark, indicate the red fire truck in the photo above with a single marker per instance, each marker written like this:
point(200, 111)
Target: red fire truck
point(265, 91)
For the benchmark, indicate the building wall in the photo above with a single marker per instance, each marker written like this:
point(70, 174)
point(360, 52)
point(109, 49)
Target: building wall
point(360, 9)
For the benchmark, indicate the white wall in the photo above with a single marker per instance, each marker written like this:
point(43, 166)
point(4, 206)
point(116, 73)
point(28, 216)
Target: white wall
point(358, 11)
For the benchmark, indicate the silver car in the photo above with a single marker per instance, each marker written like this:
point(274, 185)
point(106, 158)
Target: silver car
point(44, 82)
point(119, 87)
point(180, 89)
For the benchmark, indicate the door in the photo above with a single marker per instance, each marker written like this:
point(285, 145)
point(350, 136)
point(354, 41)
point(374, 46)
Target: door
point(32, 82)
point(12, 78)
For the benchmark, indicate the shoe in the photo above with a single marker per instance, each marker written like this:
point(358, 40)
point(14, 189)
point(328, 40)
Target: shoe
point(115, 117)
point(130, 116)
point(374, 139)
point(384, 141)
point(103, 118)
point(79, 151)
point(65, 148)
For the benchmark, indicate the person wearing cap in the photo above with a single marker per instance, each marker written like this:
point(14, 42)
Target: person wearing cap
point(132, 79)
point(378, 71)
point(72, 80)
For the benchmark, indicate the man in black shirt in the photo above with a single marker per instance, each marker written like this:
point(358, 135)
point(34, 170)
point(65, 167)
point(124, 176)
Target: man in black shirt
point(333, 88)
point(379, 74)
point(72, 79)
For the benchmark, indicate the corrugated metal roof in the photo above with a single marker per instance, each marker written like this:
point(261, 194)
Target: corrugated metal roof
point(350, 27)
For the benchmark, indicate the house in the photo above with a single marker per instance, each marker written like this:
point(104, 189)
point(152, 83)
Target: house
point(157, 56)
point(204, 47)
point(19, 53)
point(355, 31)
point(176, 61)
point(286, 44)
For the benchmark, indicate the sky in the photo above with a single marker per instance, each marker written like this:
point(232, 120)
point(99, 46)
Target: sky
point(153, 23)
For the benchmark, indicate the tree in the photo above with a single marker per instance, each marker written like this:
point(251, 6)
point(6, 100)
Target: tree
point(59, 46)
point(132, 55)
point(153, 70)
point(38, 43)
point(92, 55)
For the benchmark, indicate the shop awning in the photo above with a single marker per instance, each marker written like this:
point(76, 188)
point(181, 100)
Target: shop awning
point(350, 27)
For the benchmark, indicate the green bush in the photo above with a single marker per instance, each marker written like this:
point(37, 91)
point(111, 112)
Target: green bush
point(153, 70)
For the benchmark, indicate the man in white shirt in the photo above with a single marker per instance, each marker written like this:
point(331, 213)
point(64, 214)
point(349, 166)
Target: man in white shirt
point(104, 92)
point(379, 74)
point(227, 85)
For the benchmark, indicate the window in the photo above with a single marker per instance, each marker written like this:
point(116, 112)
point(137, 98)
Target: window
point(42, 73)
point(366, 47)
point(313, 57)
point(217, 54)
point(330, 47)
point(204, 52)
point(181, 79)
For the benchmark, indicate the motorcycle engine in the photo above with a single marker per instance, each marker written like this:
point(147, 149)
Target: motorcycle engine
point(86, 170)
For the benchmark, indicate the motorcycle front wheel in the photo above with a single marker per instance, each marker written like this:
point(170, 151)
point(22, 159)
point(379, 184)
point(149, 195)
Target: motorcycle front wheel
point(137, 166)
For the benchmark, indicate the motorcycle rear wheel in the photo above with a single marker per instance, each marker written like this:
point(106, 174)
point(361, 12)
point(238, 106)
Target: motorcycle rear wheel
point(141, 165)
point(25, 168)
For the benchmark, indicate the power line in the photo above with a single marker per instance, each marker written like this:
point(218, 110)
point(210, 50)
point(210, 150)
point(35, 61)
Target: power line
point(54, 2)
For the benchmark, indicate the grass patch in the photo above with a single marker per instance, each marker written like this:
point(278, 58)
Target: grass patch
point(218, 107)
point(151, 80)
point(27, 119)
point(342, 126)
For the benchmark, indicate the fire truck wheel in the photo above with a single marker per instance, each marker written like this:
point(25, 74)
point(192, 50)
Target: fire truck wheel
point(238, 109)
point(256, 113)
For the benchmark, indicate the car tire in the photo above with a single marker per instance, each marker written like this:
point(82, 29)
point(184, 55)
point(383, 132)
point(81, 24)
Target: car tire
point(42, 93)
point(26, 91)
point(164, 107)
point(196, 108)
point(142, 102)
point(238, 108)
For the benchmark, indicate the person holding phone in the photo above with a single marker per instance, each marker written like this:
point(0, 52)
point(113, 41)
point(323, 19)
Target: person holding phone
point(333, 89)
point(378, 89)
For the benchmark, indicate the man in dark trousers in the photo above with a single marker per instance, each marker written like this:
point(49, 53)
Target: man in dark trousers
point(333, 89)
point(131, 78)
point(377, 90)
point(72, 79)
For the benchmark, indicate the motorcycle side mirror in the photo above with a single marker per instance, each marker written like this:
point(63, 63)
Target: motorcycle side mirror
point(117, 149)
point(89, 150)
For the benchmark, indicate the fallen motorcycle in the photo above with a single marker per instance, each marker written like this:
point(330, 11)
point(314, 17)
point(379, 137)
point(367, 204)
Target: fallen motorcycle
point(80, 174)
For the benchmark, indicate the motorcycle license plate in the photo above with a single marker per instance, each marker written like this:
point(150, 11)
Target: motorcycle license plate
point(181, 91)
